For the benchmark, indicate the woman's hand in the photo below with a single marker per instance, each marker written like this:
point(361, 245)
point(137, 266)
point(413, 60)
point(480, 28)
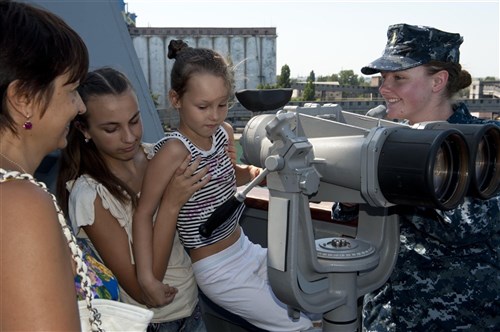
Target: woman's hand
point(185, 183)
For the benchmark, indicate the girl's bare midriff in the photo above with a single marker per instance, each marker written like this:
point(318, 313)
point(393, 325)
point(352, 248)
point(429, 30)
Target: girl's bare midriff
point(200, 253)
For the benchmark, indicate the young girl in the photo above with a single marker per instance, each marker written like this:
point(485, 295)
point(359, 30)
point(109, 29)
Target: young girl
point(229, 269)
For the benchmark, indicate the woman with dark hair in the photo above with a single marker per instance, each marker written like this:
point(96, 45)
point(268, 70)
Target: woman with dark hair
point(42, 61)
point(99, 184)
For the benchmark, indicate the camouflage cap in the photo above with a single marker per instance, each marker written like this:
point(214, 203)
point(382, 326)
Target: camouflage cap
point(410, 46)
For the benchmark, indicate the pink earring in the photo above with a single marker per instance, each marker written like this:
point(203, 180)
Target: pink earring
point(27, 124)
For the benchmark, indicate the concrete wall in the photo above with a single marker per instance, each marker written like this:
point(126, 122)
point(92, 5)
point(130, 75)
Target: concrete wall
point(252, 51)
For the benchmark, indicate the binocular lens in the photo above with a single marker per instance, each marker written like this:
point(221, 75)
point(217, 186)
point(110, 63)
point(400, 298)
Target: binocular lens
point(441, 178)
point(483, 141)
point(482, 164)
point(486, 180)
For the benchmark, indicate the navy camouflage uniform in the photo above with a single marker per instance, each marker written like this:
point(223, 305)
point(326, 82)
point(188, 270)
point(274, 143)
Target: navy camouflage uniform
point(447, 275)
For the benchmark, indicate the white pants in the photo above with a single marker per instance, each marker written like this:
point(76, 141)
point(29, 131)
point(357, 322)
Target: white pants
point(236, 279)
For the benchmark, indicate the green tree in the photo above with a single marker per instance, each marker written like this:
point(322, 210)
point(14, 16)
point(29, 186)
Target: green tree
point(363, 82)
point(347, 77)
point(309, 92)
point(311, 77)
point(284, 78)
point(328, 78)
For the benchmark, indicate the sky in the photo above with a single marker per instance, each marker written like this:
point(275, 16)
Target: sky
point(329, 36)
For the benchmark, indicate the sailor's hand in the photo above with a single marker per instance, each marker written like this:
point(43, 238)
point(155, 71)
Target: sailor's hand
point(345, 212)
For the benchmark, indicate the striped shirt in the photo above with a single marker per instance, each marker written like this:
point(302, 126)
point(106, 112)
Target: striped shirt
point(220, 188)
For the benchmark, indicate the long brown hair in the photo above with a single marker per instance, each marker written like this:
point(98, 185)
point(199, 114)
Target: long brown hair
point(80, 157)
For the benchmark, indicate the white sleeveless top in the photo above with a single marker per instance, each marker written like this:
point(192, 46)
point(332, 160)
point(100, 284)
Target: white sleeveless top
point(179, 272)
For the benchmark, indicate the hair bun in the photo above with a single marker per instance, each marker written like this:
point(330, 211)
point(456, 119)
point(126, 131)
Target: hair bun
point(174, 47)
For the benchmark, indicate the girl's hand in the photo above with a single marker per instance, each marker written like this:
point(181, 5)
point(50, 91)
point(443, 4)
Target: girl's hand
point(157, 294)
point(254, 172)
point(246, 173)
point(185, 183)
